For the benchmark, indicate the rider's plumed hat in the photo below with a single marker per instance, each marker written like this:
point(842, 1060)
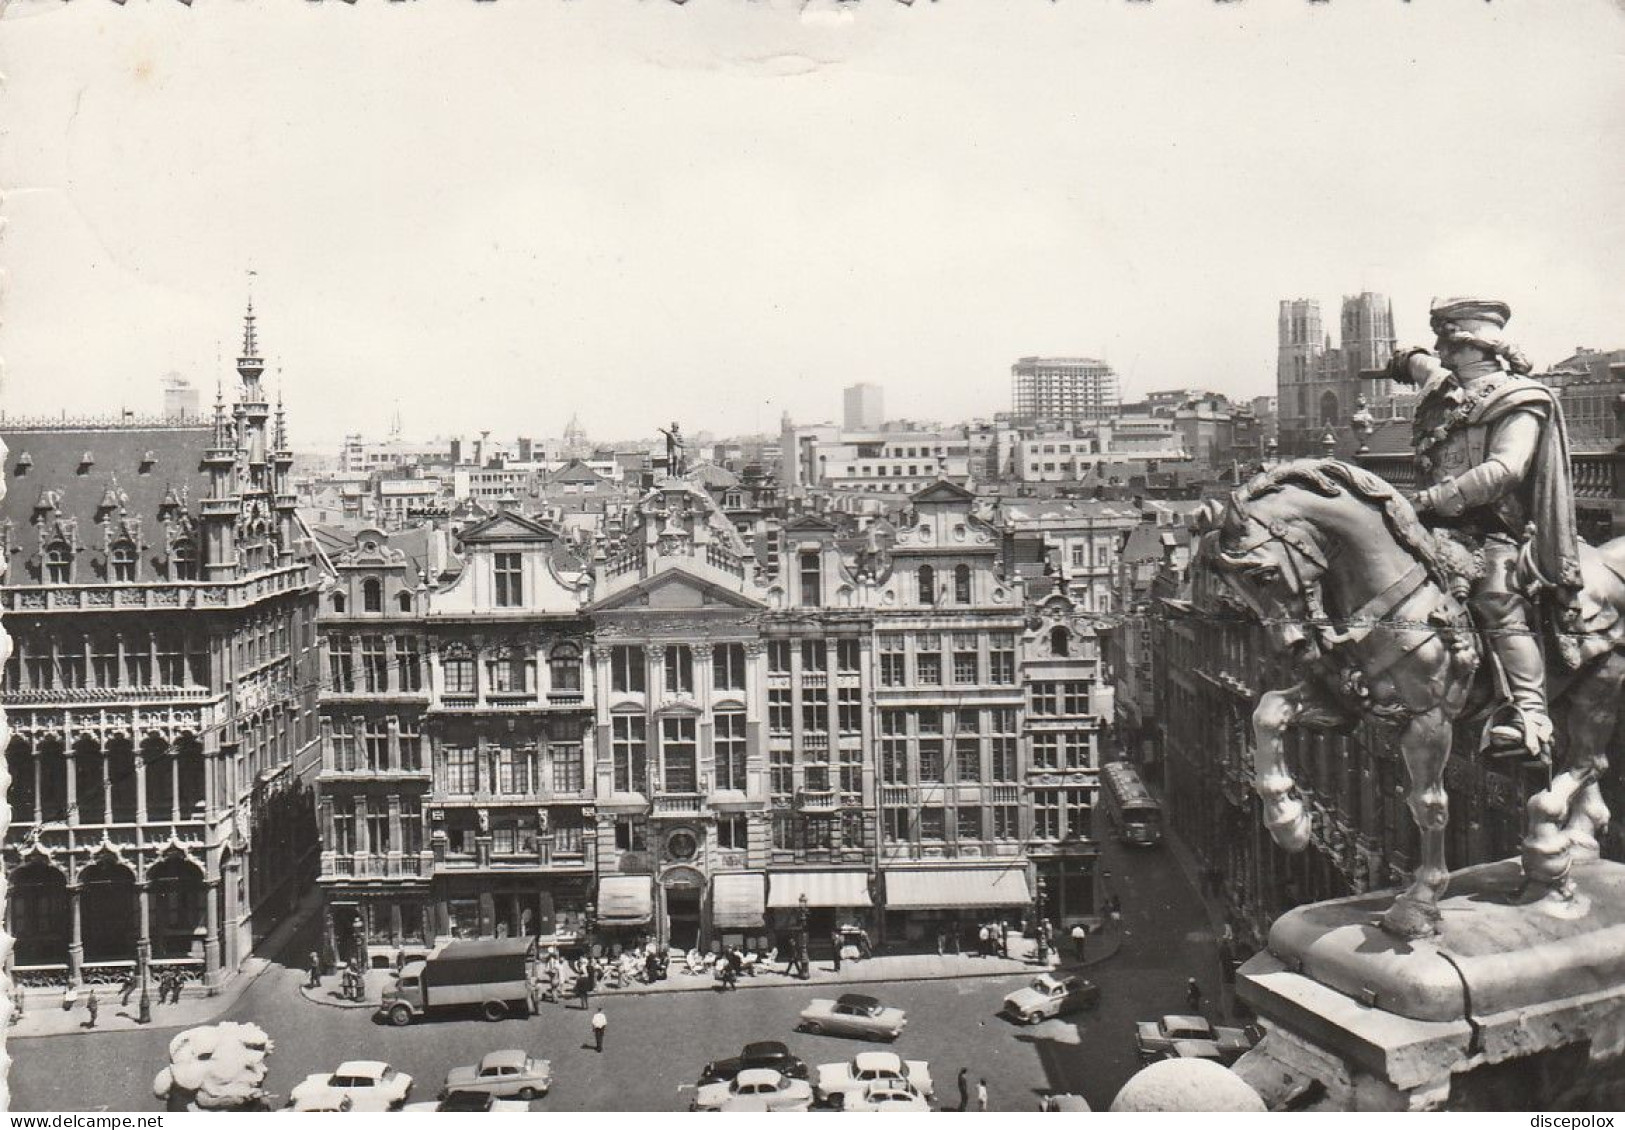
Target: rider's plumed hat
point(1469, 310)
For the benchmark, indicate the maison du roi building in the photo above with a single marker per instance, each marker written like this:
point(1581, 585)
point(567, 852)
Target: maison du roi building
point(160, 691)
point(670, 741)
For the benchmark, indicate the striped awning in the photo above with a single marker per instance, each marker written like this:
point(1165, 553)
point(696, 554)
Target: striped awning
point(738, 902)
point(822, 888)
point(625, 900)
point(960, 887)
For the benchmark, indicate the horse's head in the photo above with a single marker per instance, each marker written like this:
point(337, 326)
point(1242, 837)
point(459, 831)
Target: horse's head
point(1271, 566)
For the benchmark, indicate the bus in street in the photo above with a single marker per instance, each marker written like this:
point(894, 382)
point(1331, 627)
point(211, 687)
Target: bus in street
point(1135, 814)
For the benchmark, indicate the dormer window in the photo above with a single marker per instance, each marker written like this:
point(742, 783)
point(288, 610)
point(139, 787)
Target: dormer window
point(121, 563)
point(338, 602)
point(183, 561)
point(928, 584)
point(404, 600)
point(372, 595)
point(510, 592)
point(58, 564)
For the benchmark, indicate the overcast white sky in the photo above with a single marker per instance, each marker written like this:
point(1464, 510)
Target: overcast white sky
point(500, 214)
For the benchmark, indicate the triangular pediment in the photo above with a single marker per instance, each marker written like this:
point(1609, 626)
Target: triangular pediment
point(507, 526)
point(943, 491)
point(675, 589)
point(810, 524)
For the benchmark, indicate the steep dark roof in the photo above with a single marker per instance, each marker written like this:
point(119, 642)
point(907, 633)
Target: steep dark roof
point(130, 471)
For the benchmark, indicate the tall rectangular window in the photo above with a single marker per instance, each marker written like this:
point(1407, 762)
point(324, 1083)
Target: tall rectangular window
point(341, 664)
point(728, 667)
point(933, 823)
point(1001, 659)
point(812, 580)
point(780, 712)
point(411, 745)
point(411, 824)
point(374, 665)
point(893, 661)
point(569, 778)
point(894, 747)
point(733, 832)
point(510, 585)
point(848, 656)
point(851, 768)
point(378, 824)
point(104, 665)
point(1046, 699)
point(968, 759)
point(344, 759)
point(513, 771)
point(850, 710)
point(627, 666)
point(461, 771)
point(679, 753)
point(969, 823)
point(508, 674)
point(815, 710)
point(566, 827)
point(782, 771)
point(375, 743)
point(894, 825)
point(408, 664)
point(778, 657)
point(814, 656)
point(1046, 814)
point(928, 659)
point(730, 750)
point(1077, 811)
point(679, 669)
point(629, 742)
point(343, 826)
point(966, 663)
point(1075, 698)
point(459, 675)
point(1006, 822)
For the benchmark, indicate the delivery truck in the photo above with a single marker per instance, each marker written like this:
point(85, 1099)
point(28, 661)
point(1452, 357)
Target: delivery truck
point(491, 975)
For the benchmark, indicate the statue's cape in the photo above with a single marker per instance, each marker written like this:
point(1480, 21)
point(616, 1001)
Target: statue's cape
point(1555, 547)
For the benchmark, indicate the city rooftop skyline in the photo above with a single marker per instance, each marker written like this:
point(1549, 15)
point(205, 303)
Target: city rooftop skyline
point(721, 215)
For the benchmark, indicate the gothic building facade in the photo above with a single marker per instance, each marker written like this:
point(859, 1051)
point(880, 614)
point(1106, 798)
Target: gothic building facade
point(161, 691)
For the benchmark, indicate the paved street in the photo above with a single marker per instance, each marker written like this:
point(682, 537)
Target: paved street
point(657, 1044)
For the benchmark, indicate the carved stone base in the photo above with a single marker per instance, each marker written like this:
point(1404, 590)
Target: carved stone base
point(1515, 1001)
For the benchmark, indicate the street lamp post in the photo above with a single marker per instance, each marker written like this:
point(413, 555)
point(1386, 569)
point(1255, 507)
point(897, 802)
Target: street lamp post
point(802, 951)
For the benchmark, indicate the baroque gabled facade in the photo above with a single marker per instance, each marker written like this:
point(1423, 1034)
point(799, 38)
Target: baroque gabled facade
point(161, 691)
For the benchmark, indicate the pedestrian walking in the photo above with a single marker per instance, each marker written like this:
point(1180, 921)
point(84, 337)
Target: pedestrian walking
point(1004, 938)
point(70, 997)
point(600, 1023)
point(315, 981)
point(1080, 942)
point(964, 1088)
point(584, 988)
point(981, 1094)
point(984, 938)
point(835, 941)
point(126, 987)
point(1193, 995)
point(94, 1007)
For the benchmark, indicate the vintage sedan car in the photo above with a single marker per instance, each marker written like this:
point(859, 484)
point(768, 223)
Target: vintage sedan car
point(369, 1085)
point(755, 1088)
point(470, 1102)
point(1155, 1039)
point(834, 1081)
point(890, 1095)
point(763, 1053)
point(506, 1074)
point(853, 1015)
point(1050, 995)
point(321, 1100)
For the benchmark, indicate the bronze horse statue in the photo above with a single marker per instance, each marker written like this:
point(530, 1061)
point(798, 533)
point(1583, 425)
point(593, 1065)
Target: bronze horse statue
point(1368, 604)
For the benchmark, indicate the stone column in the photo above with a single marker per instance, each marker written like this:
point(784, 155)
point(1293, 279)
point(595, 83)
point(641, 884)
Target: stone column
point(71, 761)
point(395, 840)
point(76, 934)
point(143, 899)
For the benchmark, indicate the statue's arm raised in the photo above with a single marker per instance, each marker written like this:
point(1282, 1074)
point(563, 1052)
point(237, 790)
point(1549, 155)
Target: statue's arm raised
point(1512, 449)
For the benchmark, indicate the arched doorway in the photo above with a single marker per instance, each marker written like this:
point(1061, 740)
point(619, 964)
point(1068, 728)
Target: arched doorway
point(175, 909)
point(107, 911)
point(37, 913)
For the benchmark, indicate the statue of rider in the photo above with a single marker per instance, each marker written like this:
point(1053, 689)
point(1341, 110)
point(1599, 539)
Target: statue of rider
point(1492, 457)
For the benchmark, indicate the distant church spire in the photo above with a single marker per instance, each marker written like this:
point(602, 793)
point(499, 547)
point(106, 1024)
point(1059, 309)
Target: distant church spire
point(220, 439)
point(250, 365)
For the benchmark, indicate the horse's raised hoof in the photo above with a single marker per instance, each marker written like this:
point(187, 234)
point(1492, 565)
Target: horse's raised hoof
point(1288, 823)
point(1411, 918)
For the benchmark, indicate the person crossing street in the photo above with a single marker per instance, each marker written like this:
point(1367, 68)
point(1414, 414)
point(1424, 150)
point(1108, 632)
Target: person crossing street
point(600, 1024)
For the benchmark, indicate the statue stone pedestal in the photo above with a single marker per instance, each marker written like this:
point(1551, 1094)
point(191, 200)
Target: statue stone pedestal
point(1519, 1004)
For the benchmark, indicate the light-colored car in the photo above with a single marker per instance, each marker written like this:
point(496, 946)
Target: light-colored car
point(1059, 1104)
point(470, 1102)
point(834, 1081)
point(506, 1074)
point(1157, 1039)
point(321, 1100)
point(883, 1097)
point(853, 1014)
point(758, 1088)
point(1051, 995)
point(369, 1085)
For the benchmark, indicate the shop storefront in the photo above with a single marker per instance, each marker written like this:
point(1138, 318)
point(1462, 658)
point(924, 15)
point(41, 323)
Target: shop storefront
point(626, 909)
point(836, 902)
point(739, 909)
point(923, 903)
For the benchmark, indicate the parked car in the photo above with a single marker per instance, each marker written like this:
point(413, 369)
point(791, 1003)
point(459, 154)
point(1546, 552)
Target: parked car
point(891, 1095)
point(763, 1053)
point(1051, 995)
point(506, 1074)
point(1155, 1039)
point(321, 1100)
point(835, 1081)
point(368, 1084)
point(753, 1086)
point(853, 1015)
point(1054, 1104)
point(470, 1102)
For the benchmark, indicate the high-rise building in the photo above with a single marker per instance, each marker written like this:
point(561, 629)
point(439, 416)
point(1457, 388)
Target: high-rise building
point(865, 407)
point(1062, 390)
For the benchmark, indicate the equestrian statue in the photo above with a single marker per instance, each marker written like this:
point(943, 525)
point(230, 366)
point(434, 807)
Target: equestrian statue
point(1471, 601)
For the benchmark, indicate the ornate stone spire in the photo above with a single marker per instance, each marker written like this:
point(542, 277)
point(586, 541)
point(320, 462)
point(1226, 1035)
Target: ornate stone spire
point(250, 365)
point(281, 442)
point(220, 437)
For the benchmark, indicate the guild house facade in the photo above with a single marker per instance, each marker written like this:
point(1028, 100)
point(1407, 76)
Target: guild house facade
point(161, 691)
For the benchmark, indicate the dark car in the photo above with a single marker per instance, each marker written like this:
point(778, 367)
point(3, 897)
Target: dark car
point(768, 1054)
